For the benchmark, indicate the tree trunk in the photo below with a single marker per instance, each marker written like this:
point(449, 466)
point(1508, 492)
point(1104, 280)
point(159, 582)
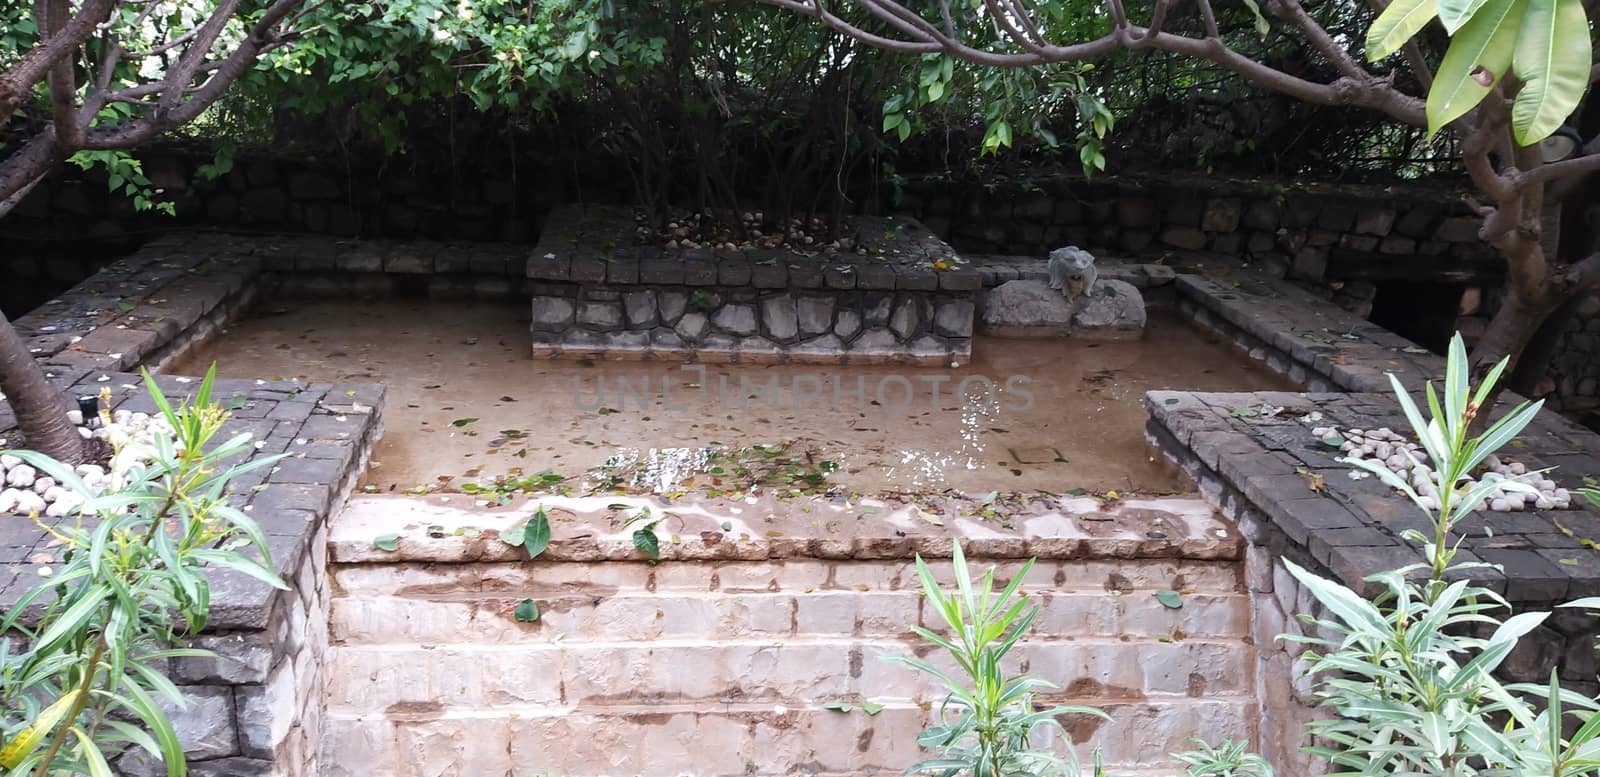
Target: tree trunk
point(39, 408)
point(1509, 332)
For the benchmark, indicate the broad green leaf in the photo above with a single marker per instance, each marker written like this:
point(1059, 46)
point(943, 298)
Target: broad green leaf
point(387, 542)
point(1453, 14)
point(1479, 55)
point(1397, 24)
point(527, 611)
point(537, 534)
point(1552, 59)
point(645, 540)
point(1170, 599)
point(871, 707)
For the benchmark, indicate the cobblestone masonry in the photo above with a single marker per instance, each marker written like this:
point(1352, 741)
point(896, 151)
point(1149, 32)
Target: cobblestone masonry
point(1291, 499)
point(597, 294)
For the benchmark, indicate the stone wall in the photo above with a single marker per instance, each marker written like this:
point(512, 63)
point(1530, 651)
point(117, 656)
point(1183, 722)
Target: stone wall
point(1574, 375)
point(1311, 233)
point(892, 299)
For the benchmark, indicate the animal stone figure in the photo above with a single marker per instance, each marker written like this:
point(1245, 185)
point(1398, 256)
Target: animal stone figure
point(1072, 273)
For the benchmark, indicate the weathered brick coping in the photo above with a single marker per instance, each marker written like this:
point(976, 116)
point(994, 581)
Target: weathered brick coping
point(1301, 335)
point(586, 529)
point(326, 430)
point(1353, 526)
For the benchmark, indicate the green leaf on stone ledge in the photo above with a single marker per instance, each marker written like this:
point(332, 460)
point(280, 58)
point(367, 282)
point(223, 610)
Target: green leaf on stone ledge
point(527, 611)
point(871, 707)
point(463, 422)
point(1172, 600)
point(837, 706)
point(387, 542)
point(645, 540)
point(537, 533)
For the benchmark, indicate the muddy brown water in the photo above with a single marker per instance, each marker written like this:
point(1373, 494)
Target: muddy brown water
point(465, 400)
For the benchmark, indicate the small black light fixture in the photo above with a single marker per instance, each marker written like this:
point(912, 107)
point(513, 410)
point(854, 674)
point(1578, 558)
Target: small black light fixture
point(89, 406)
point(1562, 144)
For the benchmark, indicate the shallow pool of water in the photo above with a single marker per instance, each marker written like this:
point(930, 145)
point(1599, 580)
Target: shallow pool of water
point(467, 403)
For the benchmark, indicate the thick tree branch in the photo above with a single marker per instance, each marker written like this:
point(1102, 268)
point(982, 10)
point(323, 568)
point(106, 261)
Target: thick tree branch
point(182, 75)
point(17, 83)
point(1320, 39)
point(262, 36)
point(1547, 173)
point(1361, 90)
point(62, 81)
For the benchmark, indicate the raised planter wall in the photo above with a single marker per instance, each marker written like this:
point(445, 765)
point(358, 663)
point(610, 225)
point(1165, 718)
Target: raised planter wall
point(1292, 500)
point(595, 294)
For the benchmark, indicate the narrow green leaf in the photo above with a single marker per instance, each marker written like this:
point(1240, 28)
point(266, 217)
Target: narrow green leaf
point(1553, 57)
point(1479, 55)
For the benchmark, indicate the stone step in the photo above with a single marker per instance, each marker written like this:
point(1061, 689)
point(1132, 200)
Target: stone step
point(542, 578)
point(450, 618)
point(368, 678)
point(730, 740)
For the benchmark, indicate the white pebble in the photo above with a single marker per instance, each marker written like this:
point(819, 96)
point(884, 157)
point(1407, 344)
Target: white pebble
point(76, 417)
point(1493, 462)
point(57, 510)
point(1322, 431)
point(1544, 503)
point(1561, 495)
point(29, 503)
point(8, 461)
point(1547, 485)
point(1398, 463)
point(1367, 449)
point(121, 416)
point(1516, 505)
point(89, 470)
point(1518, 468)
point(1562, 504)
point(21, 476)
point(1383, 450)
point(85, 433)
point(8, 500)
point(1349, 447)
point(1385, 433)
point(43, 484)
point(1500, 505)
point(54, 493)
point(1428, 502)
point(1491, 477)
